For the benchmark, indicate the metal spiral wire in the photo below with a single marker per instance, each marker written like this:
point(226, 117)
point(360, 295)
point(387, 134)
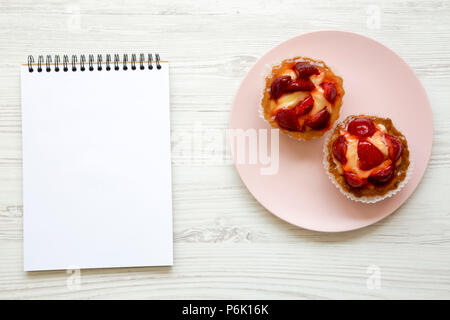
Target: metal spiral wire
point(30, 63)
point(40, 62)
point(158, 66)
point(141, 61)
point(48, 62)
point(99, 62)
point(82, 62)
point(57, 61)
point(150, 61)
point(108, 62)
point(79, 63)
point(125, 61)
point(74, 63)
point(65, 63)
point(91, 62)
point(116, 61)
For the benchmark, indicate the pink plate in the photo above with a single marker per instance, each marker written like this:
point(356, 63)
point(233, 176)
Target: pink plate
point(378, 82)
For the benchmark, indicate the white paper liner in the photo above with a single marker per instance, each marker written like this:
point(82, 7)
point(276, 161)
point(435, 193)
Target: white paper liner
point(351, 196)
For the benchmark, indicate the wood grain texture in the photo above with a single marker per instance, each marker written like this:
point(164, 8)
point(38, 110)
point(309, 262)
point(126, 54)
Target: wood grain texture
point(226, 244)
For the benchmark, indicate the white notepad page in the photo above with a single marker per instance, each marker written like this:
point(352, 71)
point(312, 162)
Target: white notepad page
point(96, 168)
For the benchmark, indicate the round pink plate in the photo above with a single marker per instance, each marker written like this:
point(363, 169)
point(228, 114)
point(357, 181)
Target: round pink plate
point(376, 81)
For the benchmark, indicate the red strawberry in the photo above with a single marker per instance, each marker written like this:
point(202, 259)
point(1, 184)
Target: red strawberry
point(305, 69)
point(305, 106)
point(394, 146)
point(329, 90)
point(382, 176)
point(361, 127)
point(300, 85)
point(279, 86)
point(319, 120)
point(340, 149)
point(287, 119)
point(369, 155)
point(353, 180)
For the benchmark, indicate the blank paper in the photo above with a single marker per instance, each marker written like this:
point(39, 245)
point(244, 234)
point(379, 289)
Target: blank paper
point(96, 168)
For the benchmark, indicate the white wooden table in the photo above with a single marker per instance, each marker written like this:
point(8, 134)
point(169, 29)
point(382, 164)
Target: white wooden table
point(226, 244)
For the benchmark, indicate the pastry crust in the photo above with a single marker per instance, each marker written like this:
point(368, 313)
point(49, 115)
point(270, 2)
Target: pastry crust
point(267, 102)
point(370, 190)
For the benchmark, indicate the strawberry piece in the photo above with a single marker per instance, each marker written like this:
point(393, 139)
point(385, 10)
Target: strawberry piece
point(279, 86)
point(329, 91)
point(305, 106)
point(394, 146)
point(300, 85)
point(361, 127)
point(339, 149)
point(319, 120)
point(305, 69)
point(285, 84)
point(287, 119)
point(369, 155)
point(353, 180)
point(382, 176)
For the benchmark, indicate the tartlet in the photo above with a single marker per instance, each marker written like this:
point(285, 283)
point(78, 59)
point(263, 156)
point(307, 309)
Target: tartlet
point(367, 158)
point(302, 97)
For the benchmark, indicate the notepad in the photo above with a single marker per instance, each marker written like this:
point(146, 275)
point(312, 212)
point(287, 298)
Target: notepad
point(96, 162)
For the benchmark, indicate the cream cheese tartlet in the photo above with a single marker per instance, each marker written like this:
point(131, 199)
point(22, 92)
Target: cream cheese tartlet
point(367, 158)
point(302, 97)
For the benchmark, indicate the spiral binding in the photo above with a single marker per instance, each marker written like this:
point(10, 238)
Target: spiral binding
point(108, 62)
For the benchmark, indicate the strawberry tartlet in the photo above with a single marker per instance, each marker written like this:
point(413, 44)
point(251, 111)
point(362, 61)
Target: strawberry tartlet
point(302, 98)
point(367, 158)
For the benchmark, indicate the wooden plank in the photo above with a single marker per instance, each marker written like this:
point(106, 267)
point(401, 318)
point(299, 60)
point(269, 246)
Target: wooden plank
point(226, 244)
